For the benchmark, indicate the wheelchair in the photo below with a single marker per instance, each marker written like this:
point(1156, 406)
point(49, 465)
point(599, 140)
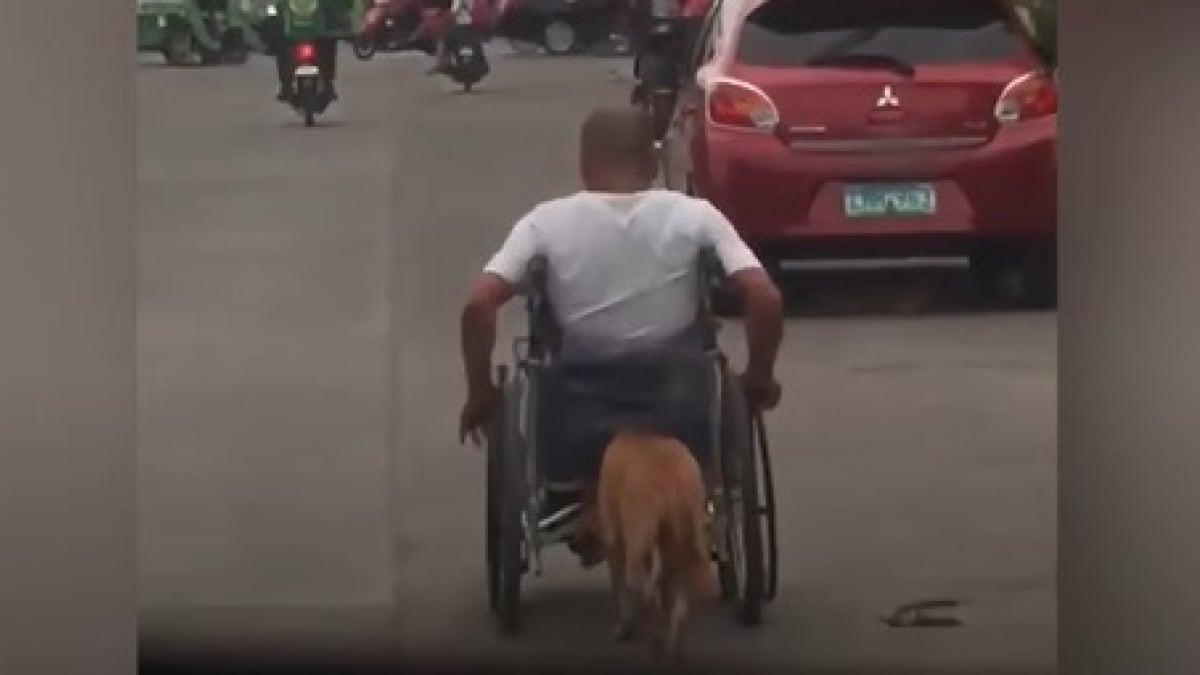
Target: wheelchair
point(741, 491)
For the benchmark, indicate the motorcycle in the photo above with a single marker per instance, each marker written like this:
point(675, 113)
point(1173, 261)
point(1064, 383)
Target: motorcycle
point(386, 26)
point(312, 94)
point(657, 68)
point(467, 62)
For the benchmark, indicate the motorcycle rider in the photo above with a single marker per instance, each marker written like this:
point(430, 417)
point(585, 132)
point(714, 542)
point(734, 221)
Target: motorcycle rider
point(658, 58)
point(438, 22)
point(317, 21)
point(656, 39)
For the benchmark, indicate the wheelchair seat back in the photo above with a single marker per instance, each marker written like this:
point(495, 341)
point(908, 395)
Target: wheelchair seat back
point(546, 337)
point(587, 393)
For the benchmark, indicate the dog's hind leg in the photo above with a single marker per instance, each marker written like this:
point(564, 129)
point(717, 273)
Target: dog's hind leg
point(642, 574)
point(676, 615)
point(624, 597)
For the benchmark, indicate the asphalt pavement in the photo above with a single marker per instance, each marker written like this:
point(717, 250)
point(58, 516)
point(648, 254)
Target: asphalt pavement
point(301, 484)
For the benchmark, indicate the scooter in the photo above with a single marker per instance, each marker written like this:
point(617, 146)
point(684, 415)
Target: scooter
point(386, 26)
point(468, 64)
point(312, 94)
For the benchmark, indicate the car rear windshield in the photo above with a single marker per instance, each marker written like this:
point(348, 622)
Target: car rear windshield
point(908, 32)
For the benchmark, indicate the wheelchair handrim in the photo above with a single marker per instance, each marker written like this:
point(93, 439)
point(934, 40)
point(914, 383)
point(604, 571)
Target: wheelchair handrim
point(736, 539)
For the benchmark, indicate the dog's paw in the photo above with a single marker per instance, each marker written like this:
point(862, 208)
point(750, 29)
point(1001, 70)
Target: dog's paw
point(589, 551)
point(591, 560)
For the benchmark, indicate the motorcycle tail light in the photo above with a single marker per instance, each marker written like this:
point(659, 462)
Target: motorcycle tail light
point(305, 53)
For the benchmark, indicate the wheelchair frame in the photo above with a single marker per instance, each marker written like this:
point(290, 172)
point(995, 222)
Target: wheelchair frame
point(743, 511)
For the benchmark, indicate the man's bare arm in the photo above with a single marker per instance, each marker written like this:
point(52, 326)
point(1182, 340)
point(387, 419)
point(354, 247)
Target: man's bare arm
point(762, 306)
point(761, 301)
point(487, 296)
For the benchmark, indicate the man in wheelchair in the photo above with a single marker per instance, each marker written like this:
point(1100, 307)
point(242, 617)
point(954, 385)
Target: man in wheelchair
point(621, 275)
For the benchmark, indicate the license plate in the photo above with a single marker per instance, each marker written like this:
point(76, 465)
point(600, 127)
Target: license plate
point(307, 71)
point(882, 200)
point(466, 52)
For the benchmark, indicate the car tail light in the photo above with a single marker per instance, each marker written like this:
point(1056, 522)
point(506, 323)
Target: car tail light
point(305, 52)
point(733, 103)
point(1028, 97)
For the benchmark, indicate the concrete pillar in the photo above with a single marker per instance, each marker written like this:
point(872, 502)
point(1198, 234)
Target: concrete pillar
point(1130, 335)
point(67, 424)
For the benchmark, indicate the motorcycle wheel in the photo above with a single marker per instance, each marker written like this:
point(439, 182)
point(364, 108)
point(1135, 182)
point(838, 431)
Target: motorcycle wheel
point(309, 118)
point(180, 48)
point(465, 79)
point(559, 37)
point(364, 48)
point(234, 50)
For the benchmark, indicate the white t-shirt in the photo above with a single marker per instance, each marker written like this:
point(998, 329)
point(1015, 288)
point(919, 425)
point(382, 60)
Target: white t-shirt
point(622, 267)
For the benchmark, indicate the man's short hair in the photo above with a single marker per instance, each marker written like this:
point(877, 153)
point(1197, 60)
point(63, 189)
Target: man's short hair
point(617, 138)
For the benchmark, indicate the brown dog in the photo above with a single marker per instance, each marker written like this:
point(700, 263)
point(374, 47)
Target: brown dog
point(651, 516)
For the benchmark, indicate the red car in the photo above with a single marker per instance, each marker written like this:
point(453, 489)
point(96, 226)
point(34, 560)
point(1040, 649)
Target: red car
point(898, 131)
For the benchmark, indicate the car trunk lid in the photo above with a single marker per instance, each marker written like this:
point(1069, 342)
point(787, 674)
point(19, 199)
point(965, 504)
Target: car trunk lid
point(870, 74)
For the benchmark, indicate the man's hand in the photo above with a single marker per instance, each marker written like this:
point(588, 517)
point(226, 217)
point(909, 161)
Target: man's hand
point(763, 305)
point(478, 339)
point(762, 392)
point(477, 413)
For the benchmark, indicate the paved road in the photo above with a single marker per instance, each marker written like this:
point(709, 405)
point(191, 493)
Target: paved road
point(300, 385)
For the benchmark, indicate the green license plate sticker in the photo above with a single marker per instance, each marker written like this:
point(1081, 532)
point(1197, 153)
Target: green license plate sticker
point(883, 200)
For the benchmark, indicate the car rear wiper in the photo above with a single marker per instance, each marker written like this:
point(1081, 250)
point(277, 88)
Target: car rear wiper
point(850, 40)
point(865, 60)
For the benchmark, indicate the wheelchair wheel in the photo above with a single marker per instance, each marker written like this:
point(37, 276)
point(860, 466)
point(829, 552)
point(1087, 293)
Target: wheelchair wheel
point(767, 477)
point(508, 502)
point(743, 577)
point(492, 503)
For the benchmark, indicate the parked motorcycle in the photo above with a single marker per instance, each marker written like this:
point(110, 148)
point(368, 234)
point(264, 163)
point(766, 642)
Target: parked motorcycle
point(386, 26)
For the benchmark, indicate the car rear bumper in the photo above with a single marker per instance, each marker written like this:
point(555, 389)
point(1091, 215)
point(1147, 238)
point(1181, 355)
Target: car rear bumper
point(1002, 193)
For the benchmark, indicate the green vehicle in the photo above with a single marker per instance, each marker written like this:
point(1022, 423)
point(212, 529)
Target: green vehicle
point(283, 21)
point(204, 32)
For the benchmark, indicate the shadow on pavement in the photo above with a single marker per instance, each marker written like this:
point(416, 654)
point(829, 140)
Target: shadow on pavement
point(891, 293)
point(249, 662)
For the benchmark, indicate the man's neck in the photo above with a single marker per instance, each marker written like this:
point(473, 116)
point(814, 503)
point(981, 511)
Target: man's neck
point(617, 183)
point(617, 187)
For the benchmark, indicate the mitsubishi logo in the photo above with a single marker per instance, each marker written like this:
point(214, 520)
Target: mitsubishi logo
point(888, 98)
